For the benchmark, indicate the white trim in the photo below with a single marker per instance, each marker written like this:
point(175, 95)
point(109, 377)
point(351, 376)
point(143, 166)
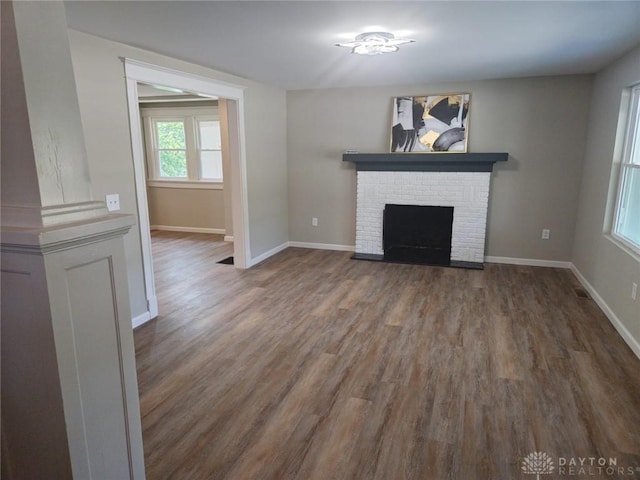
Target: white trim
point(228, 238)
point(36, 217)
point(531, 262)
point(613, 318)
point(624, 244)
point(137, 151)
point(631, 110)
point(143, 72)
point(140, 319)
point(172, 228)
point(191, 185)
point(149, 101)
point(270, 253)
point(173, 112)
point(324, 246)
point(239, 191)
point(150, 314)
point(152, 305)
point(285, 245)
point(157, 75)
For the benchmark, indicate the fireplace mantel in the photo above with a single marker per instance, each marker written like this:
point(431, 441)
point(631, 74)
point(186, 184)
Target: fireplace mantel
point(424, 162)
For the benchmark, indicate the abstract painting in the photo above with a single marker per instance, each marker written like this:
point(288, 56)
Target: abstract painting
point(430, 123)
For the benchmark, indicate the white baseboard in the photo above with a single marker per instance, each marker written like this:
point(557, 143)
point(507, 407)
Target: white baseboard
point(171, 228)
point(228, 238)
point(613, 318)
point(140, 319)
point(324, 246)
point(150, 314)
point(261, 258)
point(281, 247)
point(531, 262)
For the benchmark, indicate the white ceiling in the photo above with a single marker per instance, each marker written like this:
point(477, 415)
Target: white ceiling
point(291, 44)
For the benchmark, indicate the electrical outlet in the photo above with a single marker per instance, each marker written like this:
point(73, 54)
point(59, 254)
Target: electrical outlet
point(113, 202)
point(634, 290)
point(546, 233)
point(314, 222)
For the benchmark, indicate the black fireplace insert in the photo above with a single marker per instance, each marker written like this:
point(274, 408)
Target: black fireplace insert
point(417, 234)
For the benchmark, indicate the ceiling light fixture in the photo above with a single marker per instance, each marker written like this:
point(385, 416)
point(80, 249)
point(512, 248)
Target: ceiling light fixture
point(375, 43)
point(168, 89)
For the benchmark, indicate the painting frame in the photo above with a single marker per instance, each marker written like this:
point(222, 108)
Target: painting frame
point(433, 123)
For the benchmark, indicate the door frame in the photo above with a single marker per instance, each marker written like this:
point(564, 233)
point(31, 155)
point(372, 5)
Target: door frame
point(136, 71)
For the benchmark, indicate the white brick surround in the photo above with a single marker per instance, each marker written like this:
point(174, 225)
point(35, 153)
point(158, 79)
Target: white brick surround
point(467, 192)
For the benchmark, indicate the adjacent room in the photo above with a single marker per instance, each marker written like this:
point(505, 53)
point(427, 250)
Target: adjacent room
point(320, 239)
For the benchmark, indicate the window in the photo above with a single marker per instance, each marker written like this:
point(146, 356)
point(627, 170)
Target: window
point(171, 149)
point(627, 218)
point(209, 149)
point(183, 144)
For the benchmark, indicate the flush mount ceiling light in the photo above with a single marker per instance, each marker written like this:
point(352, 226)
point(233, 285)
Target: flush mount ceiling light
point(167, 89)
point(375, 43)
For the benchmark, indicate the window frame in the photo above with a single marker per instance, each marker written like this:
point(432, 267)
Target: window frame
point(190, 116)
point(631, 144)
point(154, 153)
point(198, 146)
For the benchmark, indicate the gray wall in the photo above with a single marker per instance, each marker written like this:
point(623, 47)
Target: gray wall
point(541, 122)
point(101, 89)
point(605, 265)
point(186, 207)
point(266, 144)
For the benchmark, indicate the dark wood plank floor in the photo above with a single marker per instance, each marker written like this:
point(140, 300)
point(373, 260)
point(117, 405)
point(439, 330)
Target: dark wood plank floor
point(314, 366)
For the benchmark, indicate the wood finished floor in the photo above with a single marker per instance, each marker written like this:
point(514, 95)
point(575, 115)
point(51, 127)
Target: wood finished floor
point(314, 366)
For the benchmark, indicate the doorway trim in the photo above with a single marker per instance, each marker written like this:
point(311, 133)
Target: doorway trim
point(136, 71)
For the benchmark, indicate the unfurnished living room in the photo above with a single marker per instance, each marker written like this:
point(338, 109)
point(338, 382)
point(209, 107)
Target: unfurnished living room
point(320, 240)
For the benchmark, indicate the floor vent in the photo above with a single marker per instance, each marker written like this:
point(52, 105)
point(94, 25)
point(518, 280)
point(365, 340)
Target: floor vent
point(581, 292)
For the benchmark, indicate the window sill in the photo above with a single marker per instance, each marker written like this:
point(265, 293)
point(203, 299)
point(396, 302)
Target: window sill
point(203, 185)
point(624, 245)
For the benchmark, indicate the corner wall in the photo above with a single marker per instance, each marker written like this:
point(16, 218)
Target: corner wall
point(608, 268)
point(541, 122)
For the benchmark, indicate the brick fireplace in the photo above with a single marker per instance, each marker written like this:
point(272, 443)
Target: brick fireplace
point(461, 181)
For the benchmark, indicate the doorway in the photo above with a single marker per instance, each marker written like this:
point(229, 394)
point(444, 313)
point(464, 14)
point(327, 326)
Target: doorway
point(138, 72)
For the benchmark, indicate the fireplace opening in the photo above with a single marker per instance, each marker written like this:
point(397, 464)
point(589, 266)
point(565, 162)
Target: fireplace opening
point(417, 234)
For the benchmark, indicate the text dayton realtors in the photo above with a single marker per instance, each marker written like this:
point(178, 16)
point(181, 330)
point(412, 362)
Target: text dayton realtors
point(593, 466)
